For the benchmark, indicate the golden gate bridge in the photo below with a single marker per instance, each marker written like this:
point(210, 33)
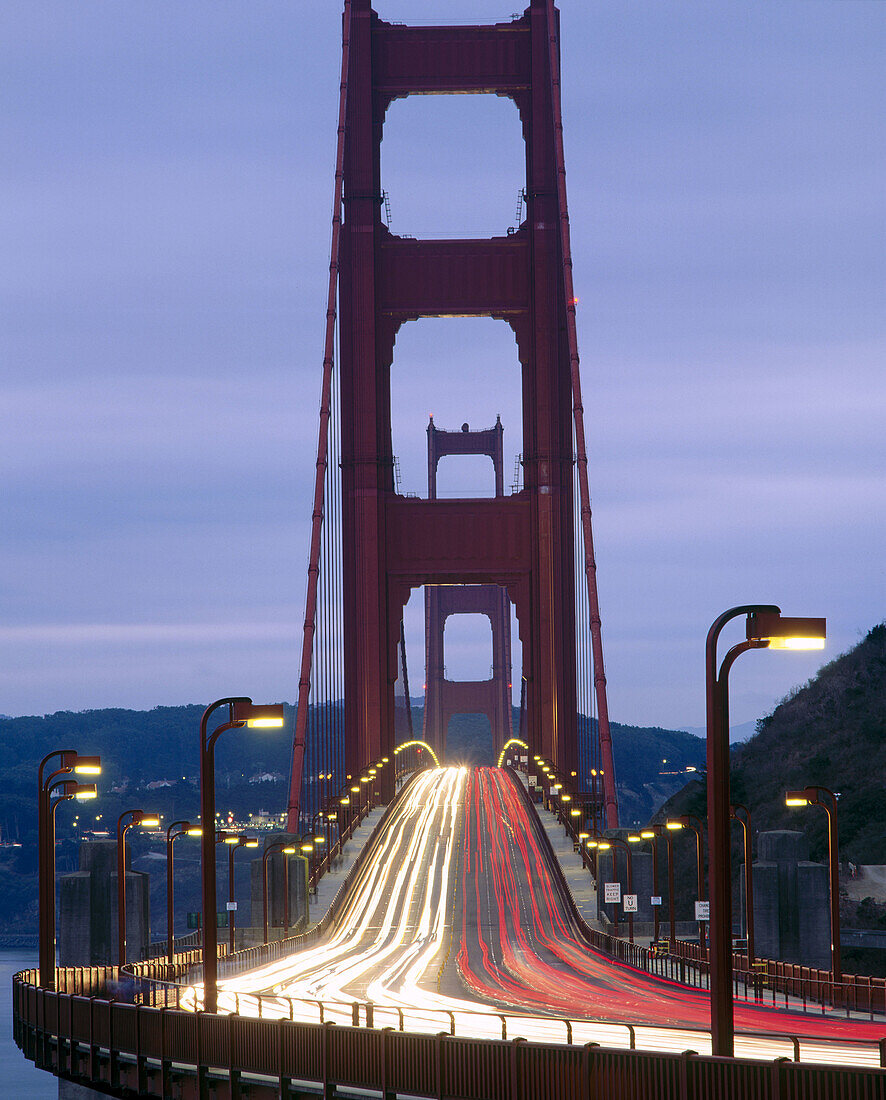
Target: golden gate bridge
point(453, 961)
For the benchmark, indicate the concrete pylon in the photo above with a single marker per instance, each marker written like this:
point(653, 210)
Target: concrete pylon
point(298, 889)
point(87, 921)
point(791, 901)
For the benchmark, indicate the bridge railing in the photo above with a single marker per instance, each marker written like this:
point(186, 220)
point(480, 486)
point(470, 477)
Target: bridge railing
point(859, 992)
point(159, 984)
point(326, 863)
point(800, 989)
point(140, 1048)
point(318, 868)
point(181, 943)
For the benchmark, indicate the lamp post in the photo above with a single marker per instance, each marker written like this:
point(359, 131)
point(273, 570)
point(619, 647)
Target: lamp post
point(241, 712)
point(594, 821)
point(735, 812)
point(619, 843)
point(70, 762)
point(576, 820)
point(287, 850)
point(344, 816)
point(651, 834)
point(765, 628)
point(67, 789)
point(307, 849)
point(147, 821)
point(661, 831)
point(175, 830)
point(821, 796)
point(690, 821)
point(320, 834)
point(234, 841)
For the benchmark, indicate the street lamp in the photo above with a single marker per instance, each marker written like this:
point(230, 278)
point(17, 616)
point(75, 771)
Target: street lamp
point(147, 821)
point(321, 832)
point(241, 712)
point(656, 831)
point(690, 821)
point(287, 850)
point(620, 843)
point(653, 833)
point(650, 835)
point(821, 796)
point(307, 849)
point(594, 821)
point(67, 790)
point(175, 830)
point(765, 628)
point(69, 763)
point(735, 812)
point(234, 841)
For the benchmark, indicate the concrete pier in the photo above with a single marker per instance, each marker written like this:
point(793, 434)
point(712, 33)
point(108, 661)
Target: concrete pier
point(791, 901)
point(87, 921)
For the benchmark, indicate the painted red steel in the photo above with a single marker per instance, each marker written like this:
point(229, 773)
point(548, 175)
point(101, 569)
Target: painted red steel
point(530, 948)
point(610, 797)
point(307, 651)
point(392, 545)
point(444, 697)
point(167, 1052)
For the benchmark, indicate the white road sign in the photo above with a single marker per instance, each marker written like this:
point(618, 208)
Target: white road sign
point(655, 900)
point(630, 903)
point(702, 910)
point(611, 893)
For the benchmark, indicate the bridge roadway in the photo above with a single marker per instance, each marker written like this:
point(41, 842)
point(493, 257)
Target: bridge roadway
point(457, 922)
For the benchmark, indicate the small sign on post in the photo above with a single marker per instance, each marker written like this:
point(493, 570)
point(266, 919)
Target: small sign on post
point(655, 900)
point(611, 893)
point(231, 906)
point(630, 903)
point(702, 910)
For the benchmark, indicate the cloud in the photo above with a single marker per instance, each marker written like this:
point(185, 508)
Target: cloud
point(165, 219)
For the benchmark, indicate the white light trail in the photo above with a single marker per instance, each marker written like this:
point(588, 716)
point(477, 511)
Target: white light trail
point(390, 939)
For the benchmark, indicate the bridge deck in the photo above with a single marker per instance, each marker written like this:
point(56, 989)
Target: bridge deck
point(458, 917)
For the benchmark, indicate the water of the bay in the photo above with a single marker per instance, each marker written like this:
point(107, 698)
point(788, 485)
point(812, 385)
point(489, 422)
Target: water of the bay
point(19, 1077)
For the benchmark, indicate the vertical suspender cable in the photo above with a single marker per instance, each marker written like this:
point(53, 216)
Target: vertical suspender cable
point(304, 681)
point(610, 798)
point(339, 581)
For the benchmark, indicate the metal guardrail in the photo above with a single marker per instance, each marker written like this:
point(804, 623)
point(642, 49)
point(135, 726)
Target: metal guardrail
point(251, 957)
point(124, 1048)
point(180, 943)
point(781, 985)
point(87, 1032)
point(856, 992)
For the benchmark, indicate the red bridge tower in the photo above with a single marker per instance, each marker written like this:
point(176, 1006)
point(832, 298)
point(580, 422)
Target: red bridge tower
point(444, 697)
point(390, 543)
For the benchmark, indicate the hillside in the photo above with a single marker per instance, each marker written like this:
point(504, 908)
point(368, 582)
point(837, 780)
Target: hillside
point(831, 732)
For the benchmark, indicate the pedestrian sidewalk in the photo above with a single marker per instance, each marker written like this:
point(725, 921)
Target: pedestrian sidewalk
point(331, 882)
point(578, 878)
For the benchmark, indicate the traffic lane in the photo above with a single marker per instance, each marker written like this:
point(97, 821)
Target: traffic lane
point(530, 954)
point(391, 920)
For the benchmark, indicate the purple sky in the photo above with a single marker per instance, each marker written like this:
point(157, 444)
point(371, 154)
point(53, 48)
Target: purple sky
point(166, 196)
